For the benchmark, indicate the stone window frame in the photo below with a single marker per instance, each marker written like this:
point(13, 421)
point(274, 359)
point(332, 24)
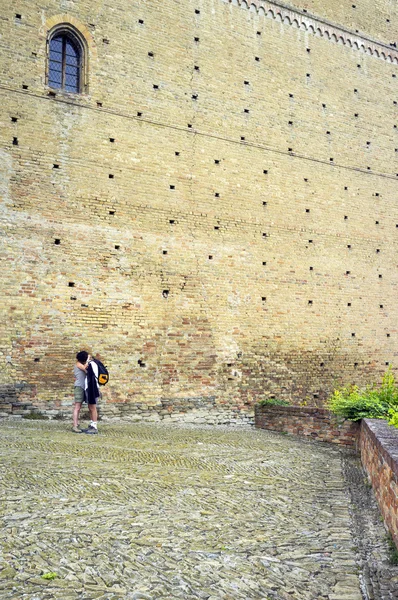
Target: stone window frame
point(69, 30)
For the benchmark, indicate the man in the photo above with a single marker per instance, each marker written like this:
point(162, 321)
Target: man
point(93, 394)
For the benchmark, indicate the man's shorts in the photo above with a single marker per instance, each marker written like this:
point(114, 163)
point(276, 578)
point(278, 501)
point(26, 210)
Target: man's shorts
point(80, 395)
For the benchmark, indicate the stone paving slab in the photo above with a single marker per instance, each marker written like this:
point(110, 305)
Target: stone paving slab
point(149, 511)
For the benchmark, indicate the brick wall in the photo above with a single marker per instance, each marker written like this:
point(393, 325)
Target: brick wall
point(228, 258)
point(378, 443)
point(317, 423)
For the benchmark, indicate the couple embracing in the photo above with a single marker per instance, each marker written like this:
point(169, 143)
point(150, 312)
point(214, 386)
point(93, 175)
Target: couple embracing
point(86, 390)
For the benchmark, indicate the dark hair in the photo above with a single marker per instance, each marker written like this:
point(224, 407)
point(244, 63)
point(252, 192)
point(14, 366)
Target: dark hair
point(82, 356)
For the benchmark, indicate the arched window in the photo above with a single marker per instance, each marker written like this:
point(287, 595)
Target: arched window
point(65, 62)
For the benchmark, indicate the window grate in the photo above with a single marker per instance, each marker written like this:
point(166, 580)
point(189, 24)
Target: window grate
point(65, 60)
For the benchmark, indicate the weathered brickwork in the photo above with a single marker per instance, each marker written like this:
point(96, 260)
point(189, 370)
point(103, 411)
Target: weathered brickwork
point(215, 215)
point(317, 423)
point(378, 444)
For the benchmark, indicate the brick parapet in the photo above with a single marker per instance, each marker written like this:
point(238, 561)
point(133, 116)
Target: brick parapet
point(378, 445)
point(317, 423)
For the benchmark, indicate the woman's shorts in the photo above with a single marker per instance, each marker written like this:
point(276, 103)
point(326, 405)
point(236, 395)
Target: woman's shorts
point(80, 395)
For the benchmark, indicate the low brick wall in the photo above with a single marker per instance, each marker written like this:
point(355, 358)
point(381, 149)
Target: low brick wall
point(378, 444)
point(317, 423)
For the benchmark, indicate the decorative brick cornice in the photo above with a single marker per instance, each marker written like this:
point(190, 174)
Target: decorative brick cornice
point(319, 27)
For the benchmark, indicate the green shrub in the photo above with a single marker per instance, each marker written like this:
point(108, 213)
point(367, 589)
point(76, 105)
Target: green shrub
point(273, 402)
point(372, 402)
point(355, 404)
point(388, 391)
point(393, 417)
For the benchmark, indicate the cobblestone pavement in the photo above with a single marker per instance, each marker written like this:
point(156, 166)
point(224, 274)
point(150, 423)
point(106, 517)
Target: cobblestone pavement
point(149, 511)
